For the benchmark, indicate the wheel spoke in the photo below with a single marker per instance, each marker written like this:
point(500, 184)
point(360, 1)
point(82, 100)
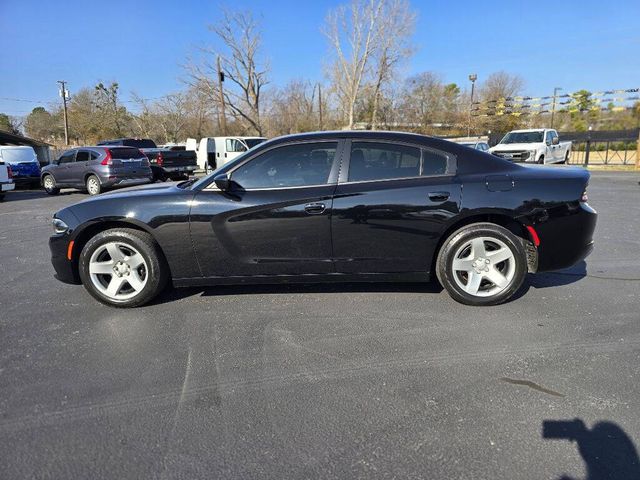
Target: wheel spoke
point(497, 278)
point(473, 284)
point(115, 285)
point(114, 252)
point(477, 248)
point(101, 267)
point(463, 264)
point(135, 261)
point(136, 282)
point(500, 255)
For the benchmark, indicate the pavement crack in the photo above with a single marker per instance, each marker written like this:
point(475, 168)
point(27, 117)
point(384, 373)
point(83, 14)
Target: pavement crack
point(532, 385)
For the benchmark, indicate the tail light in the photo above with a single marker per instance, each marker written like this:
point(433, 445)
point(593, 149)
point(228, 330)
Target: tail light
point(107, 159)
point(159, 159)
point(9, 171)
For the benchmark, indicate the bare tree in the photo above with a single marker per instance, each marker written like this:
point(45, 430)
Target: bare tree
point(495, 89)
point(392, 46)
point(352, 32)
point(245, 73)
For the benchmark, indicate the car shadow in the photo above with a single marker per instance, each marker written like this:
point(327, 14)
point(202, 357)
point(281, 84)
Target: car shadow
point(171, 294)
point(608, 452)
point(558, 278)
point(20, 194)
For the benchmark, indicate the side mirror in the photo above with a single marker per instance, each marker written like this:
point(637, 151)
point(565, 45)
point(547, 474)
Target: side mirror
point(555, 141)
point(222, 181)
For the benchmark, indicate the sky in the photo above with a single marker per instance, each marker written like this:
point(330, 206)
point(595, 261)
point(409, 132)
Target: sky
point(142, 44)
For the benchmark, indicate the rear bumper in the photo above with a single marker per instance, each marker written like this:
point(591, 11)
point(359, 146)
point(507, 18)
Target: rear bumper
point(26, 180)
point(65, 268)
point(6, 186)
point(125, 182)
point(567, 238)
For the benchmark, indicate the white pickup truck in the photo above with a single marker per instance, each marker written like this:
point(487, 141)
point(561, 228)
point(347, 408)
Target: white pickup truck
point(540, 145)
point(6, 182)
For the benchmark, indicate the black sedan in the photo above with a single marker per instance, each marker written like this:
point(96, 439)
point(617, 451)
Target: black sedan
point(333, 206)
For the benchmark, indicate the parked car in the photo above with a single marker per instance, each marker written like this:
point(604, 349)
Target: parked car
point(540, 145)
point(96, 169)
point(214, 152)
point(24, 164)
point(166, 164)
point(482, 146)
point(6, 180)
point(333, 206)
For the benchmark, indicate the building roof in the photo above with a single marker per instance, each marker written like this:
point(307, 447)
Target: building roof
point(7, 138)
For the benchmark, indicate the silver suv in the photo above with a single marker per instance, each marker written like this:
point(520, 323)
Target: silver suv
point(96, 168)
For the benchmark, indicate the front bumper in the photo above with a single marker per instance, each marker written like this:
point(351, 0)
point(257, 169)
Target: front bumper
point(566, 237)
point(66, 270)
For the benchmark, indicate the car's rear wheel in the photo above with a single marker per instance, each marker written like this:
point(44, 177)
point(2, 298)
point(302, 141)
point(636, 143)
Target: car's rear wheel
point(123, 267)
point(93, 185)
point(49, 184)
point(482, 264)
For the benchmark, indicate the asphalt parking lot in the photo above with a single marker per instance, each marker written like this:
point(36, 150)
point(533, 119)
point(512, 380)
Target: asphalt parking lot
point(339, 381)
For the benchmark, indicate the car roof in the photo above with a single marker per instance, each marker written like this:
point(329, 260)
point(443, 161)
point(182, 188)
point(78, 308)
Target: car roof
point(361, 134)
point(528, 130)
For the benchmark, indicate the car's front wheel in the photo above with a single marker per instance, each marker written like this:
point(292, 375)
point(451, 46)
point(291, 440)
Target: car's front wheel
point(49, 184)
point(123, 267)
point(482, 264)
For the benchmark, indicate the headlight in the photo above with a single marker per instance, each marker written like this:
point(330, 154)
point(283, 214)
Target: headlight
point(59, 226)
point(525, 155)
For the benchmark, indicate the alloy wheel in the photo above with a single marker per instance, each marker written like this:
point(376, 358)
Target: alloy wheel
point(484, 266)
point(118, 270)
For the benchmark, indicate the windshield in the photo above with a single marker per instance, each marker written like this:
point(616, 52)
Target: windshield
point(139, 143)
point(18, 155)
point(523, 137)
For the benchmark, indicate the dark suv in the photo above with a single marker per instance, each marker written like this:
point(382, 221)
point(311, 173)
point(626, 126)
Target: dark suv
point(96, 168)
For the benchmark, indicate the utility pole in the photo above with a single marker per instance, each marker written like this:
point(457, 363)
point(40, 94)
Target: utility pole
point(553, 108)
point(320, 104)
point(223, 118)
point(473, 77)
point(64, 93)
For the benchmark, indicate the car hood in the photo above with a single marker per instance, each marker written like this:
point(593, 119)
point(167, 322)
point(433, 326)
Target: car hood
point(506, 147)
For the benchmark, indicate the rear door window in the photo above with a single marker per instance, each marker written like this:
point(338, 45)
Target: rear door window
point(82, 156)
point(382, 161)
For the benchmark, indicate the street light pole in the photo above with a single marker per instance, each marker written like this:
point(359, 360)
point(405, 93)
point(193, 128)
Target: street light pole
point(553, 108)
point(473, 77)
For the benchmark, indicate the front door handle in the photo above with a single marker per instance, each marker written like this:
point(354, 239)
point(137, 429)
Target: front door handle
point(315, 208)
point(439, 196)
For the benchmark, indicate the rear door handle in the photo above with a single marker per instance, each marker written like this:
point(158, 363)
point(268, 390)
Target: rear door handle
point(439, 196)
point(315, 208)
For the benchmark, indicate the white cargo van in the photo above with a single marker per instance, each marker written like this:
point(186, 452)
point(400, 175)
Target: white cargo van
point(213, 152)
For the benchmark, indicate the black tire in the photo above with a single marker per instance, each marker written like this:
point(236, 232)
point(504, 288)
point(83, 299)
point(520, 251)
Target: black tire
point(567, 157)
point(1, 197)
point(92, 185)
point(51, 190)
point(457, 240)
point(541, 159)
point(157, 270)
